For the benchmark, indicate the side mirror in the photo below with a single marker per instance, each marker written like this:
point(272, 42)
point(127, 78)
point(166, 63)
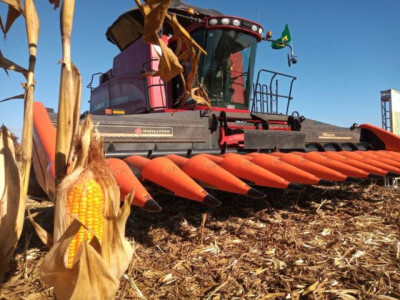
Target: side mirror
point(291, 59)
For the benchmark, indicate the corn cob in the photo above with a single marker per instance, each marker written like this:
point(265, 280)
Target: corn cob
point(85, 201)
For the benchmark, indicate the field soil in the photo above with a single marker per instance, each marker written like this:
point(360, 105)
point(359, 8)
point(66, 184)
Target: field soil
point(322, 243)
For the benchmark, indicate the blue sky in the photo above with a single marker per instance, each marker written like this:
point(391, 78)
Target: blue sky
point(348, 52)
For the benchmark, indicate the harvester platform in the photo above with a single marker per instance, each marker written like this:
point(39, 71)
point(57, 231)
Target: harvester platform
point(144, 150)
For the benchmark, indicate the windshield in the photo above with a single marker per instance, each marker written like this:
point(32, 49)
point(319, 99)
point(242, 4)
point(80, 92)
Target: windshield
point(227, 70)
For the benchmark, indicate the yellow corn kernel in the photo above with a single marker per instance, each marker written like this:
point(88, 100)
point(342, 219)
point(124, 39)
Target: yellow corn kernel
point(85, 201)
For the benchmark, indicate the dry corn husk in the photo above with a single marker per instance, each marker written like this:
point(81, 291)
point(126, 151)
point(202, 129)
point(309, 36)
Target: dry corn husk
point(193, 53)
point(12, 201)
point(154, 12)
point(96, 265)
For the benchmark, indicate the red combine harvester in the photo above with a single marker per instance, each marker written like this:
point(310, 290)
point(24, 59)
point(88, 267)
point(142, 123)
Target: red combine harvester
point(151, 136)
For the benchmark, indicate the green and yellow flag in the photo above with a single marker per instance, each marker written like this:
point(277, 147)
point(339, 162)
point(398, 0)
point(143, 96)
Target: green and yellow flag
point(283, 40)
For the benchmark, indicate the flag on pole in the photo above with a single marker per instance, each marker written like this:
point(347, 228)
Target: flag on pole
point(283, 40)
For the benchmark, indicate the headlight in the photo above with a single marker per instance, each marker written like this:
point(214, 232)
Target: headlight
point(225, 21)
point(213, 22)
point(254, 28)
point(236, 22)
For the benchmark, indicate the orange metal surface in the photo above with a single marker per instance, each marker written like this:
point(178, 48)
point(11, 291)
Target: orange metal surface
point(127, 181)
point(205, 170)
point(355, 163)
point(388, 154)
point(374, 155)
point(391, 141)
point(165, 173)
point(334, 164)
point(245, 169)
point(311, 167)
point(369, 161)
point(282, 169)
point(44, 151)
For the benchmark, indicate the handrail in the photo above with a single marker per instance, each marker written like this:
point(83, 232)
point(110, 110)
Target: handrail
point(90, 85)
point(270, 94)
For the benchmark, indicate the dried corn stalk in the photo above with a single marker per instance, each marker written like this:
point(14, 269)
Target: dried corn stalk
point(32, 30)
point(101, 258)
point(154, 13)
point(15, 9)
point(12, 201)
point(13, 189)
point(70, 93)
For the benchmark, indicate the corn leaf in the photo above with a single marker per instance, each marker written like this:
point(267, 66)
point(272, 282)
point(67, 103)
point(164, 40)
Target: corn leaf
point(15, 9)
point(154, 13)
point(12, 203)
point(154, 20)
point(169, 65)
point(198, 96)
point(181, 33)
point(1, 25)
point(21, 96)
point(7, 64)
point(56, 3)
point(15, 4)
point(12, 15)
point(44, 236)
point(194, 56)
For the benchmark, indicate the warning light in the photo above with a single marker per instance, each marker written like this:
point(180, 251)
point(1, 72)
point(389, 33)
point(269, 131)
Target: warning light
point(111, 111)
point(269, 35)
point(190, 11)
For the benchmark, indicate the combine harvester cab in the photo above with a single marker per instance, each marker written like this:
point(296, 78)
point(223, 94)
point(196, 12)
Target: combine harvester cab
point(240, 145)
